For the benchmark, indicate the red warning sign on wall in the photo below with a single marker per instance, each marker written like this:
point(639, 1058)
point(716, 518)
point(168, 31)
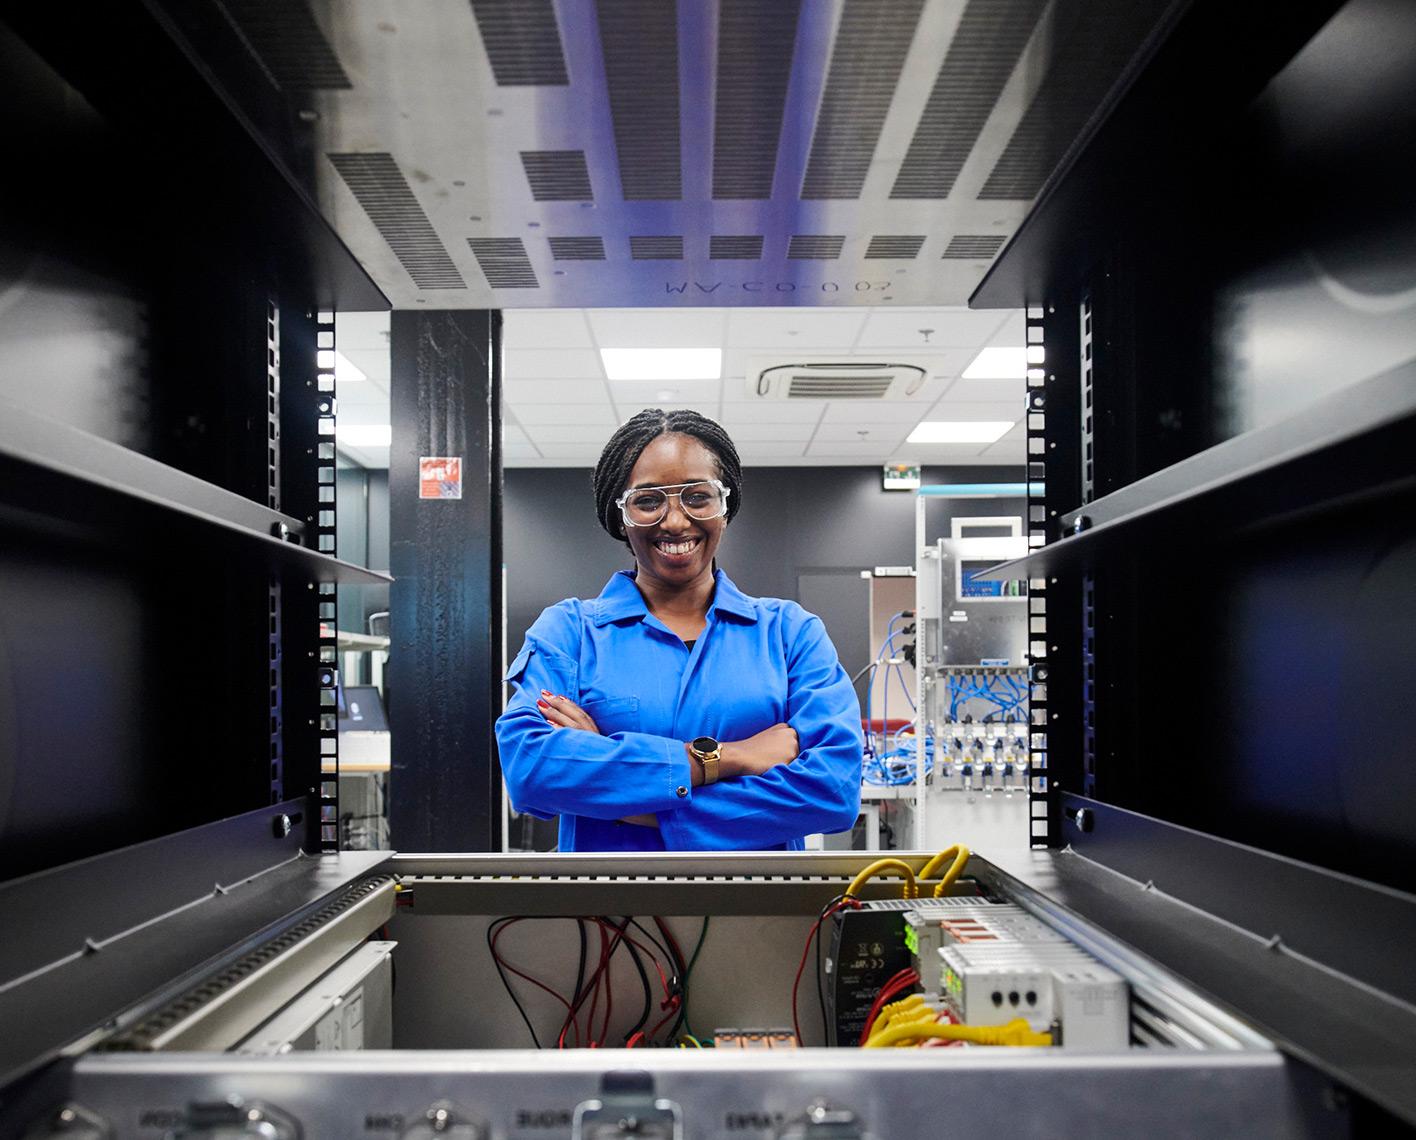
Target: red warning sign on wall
point(440, 477)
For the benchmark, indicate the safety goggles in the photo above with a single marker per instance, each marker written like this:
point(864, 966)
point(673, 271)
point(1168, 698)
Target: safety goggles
point(645, 506)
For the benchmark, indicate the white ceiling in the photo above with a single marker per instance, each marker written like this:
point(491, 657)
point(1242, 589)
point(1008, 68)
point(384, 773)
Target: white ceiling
point(559, 408)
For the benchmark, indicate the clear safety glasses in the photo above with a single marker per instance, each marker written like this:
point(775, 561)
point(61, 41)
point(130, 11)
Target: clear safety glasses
point(645, 506)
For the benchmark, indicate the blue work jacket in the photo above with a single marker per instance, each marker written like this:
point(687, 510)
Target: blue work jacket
point(759, 662)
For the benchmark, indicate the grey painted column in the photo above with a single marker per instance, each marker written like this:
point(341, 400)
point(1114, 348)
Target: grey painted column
point(443, 678)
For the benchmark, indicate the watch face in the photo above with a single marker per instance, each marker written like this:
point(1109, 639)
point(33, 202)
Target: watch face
point(704, 744)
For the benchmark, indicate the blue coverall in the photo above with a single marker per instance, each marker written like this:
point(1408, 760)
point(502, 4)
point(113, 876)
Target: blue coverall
point(758, 662)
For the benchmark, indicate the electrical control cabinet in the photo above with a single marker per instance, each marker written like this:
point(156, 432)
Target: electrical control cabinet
point(463, 1050)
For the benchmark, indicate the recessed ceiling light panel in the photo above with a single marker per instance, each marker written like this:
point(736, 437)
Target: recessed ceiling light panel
point(998, 364)
point(662, 363)
point(959, 431)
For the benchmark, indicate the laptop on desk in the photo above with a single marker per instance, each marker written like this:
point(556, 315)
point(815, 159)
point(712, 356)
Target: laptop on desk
point(363, 729)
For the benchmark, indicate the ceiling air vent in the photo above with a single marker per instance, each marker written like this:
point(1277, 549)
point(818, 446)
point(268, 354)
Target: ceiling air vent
point(835, 380)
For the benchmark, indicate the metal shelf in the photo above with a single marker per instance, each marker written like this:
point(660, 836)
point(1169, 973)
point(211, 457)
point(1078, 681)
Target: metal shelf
point(1355, 442)
point(57, 471)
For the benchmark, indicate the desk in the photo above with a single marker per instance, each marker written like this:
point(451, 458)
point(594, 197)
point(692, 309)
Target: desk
point(363, 789)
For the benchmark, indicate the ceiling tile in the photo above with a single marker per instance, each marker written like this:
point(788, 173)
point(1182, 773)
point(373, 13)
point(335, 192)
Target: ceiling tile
point(770, 433)
point(939, 452)
point(552, 364)
point(534, 328)
point(770, 411)
point(766, 455)
point(520, 393)
point(658, 328)
point(1010, 392)
point(588, 437)
point(520, 451)
point(951, 328)
point(587, 415)
point(789, 328)
point(361, 331)
point(1013, 331)
point(583, 452)
point(512, 436)
point(881, 434)
point(854, 446)
point(709, 409)
point(876, 412)
point(646, 393)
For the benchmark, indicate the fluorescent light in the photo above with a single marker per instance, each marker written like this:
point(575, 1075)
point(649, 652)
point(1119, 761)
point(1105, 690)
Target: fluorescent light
point(345, 371)
point(999, 364)
point(662, 363)
point(364, 435)
point(959, 431)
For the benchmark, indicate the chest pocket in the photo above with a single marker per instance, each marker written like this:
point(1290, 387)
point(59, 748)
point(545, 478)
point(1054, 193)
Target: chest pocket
point(614, 714)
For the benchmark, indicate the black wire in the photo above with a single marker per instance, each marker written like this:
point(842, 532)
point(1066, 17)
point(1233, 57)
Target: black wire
point(682, 1022)
point(676, 987)
point(669, 956)
point(492, 927)
point(820, 989)
point(643, 979)
point(579, 979)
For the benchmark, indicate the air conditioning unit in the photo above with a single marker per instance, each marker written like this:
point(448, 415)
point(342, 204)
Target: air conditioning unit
point(834, 380)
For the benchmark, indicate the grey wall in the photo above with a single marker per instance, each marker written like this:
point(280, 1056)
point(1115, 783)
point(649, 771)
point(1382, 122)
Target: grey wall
point(361, 509)
point(803, 533)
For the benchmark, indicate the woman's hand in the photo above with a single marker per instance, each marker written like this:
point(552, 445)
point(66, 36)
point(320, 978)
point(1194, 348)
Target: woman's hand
point(565, 713)
point(759, 753)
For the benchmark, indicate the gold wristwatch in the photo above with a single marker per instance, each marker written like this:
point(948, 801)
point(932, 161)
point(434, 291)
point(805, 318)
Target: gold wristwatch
point(707, 752)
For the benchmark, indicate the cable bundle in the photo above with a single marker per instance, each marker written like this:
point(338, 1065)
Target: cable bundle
point(584, 1006)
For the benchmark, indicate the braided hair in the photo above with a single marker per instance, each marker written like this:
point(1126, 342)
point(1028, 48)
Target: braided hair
point(623, 450)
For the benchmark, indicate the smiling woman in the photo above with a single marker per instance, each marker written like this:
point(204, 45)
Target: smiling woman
point(674, 712)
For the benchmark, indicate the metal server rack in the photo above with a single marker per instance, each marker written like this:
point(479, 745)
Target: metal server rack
point(168, 567)
point(1228, 534)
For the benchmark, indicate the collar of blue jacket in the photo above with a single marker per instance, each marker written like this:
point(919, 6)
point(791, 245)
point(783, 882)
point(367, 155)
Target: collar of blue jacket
point(621, 600)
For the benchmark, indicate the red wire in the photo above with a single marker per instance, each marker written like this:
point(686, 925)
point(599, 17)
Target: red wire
point(796, 985)
point(527, 977)
point(630, 1044)
point(601, 977)
point(901, 980)
point(600, 970)
point(670, 998)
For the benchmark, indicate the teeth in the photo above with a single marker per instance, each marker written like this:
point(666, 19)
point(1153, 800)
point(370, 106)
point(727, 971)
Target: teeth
point(677, 547)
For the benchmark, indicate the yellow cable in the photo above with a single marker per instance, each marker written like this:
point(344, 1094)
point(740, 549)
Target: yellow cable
point(697, 1044)
point(960, 855)
point(1015, 1033)
point(912, 1010)
point(880, 866)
